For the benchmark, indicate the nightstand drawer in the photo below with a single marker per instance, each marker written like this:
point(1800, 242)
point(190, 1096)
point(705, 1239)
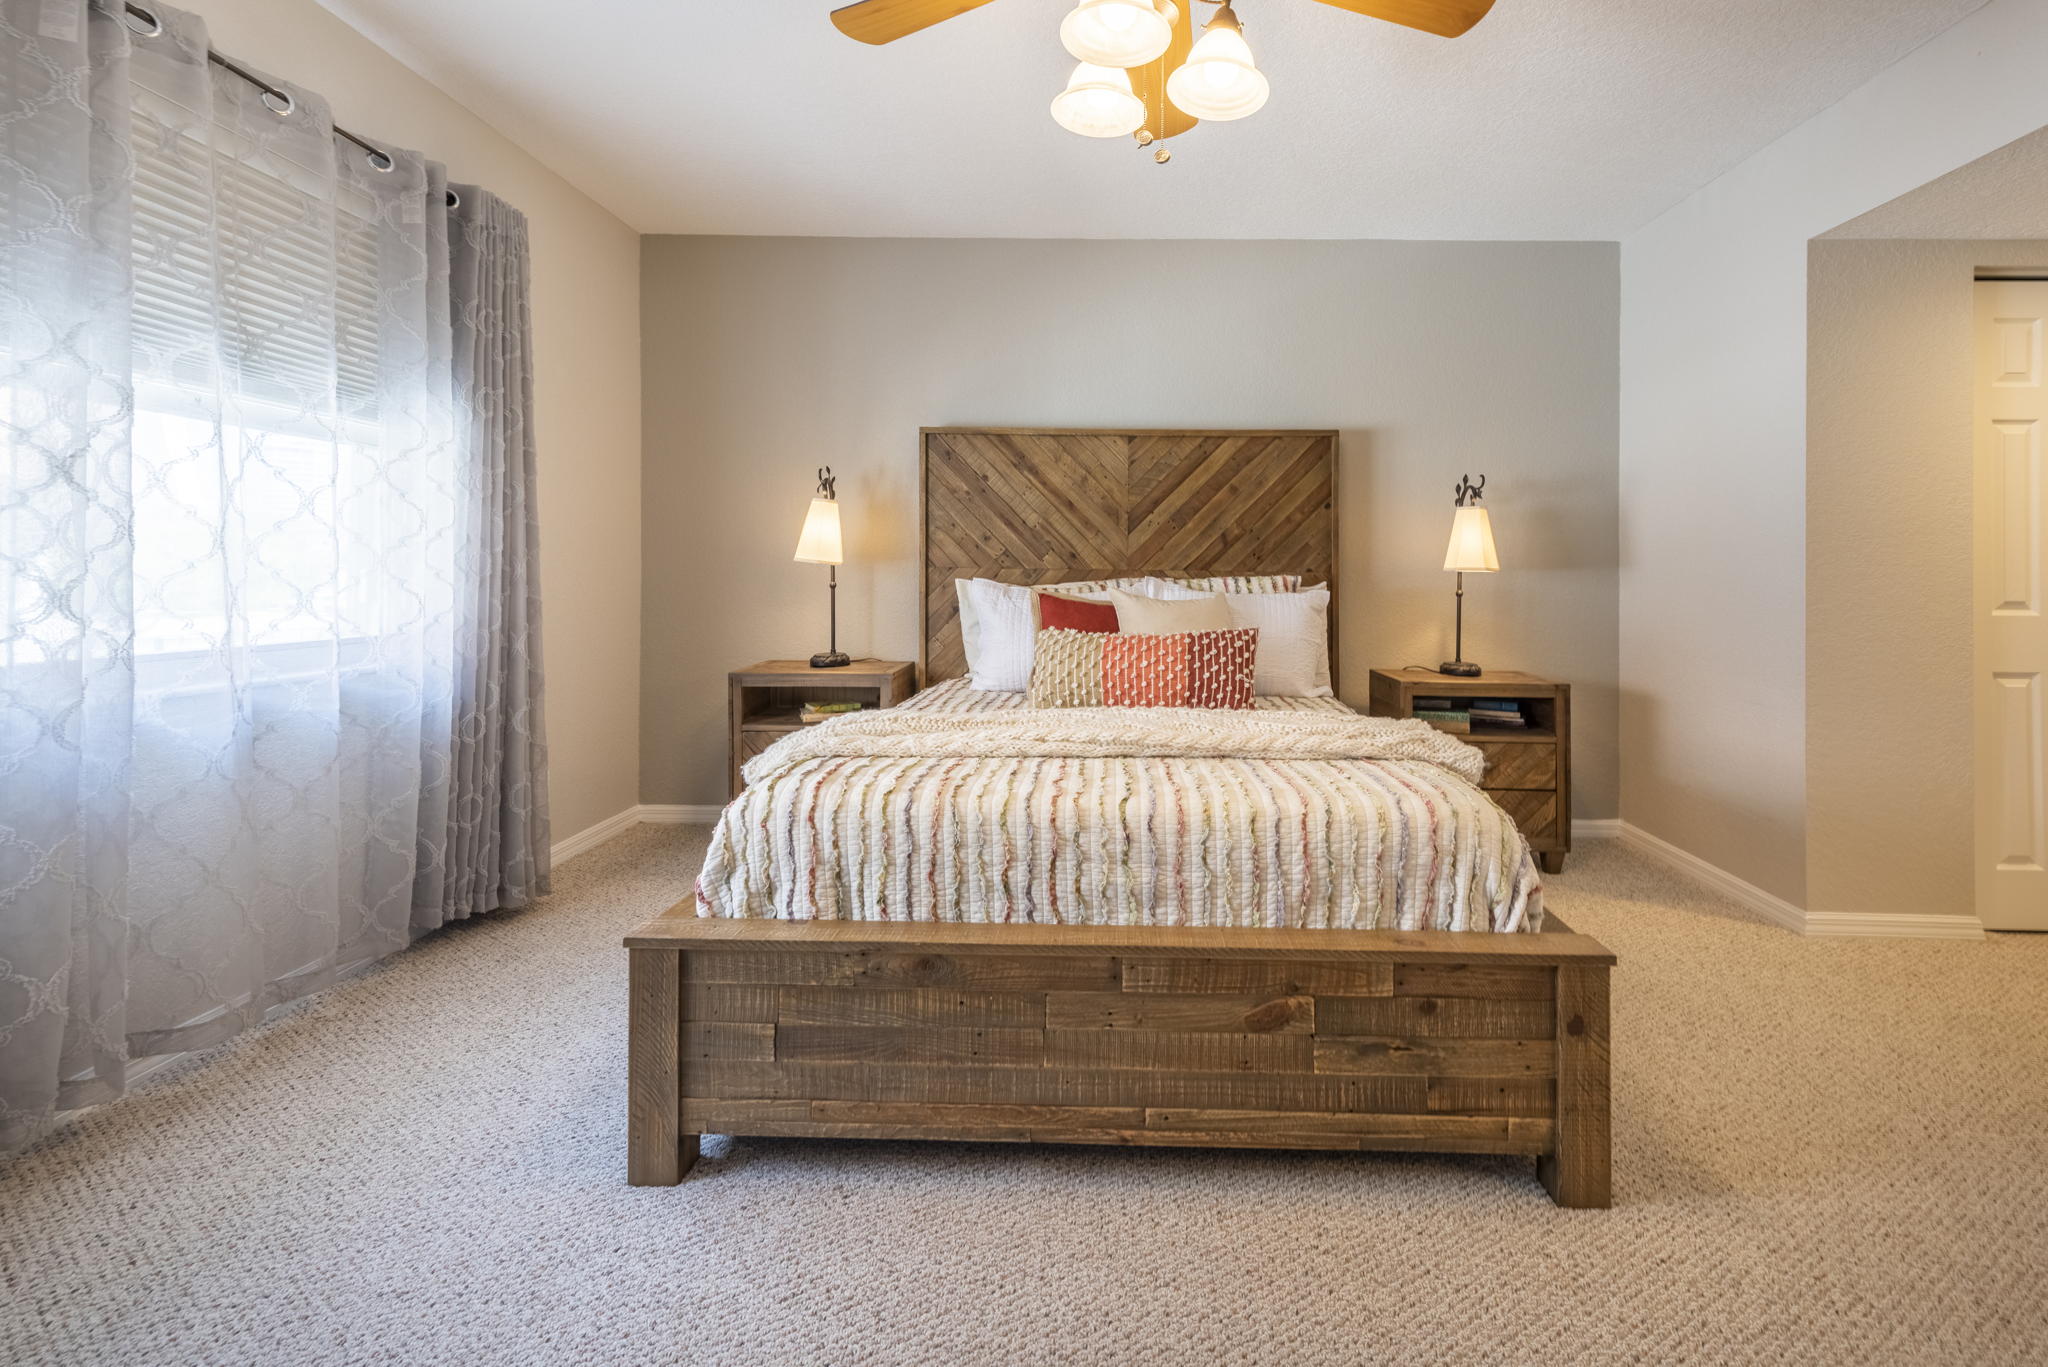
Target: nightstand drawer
point(753, 742)
point(1519, 763)
point(1535, 813)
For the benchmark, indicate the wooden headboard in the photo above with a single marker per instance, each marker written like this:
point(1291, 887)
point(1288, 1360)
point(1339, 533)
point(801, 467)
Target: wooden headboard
point(1032, 505)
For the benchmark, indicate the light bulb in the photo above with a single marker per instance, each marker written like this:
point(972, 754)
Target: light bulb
point(1116, 32)
point(1219, 81)
point(1098, 103)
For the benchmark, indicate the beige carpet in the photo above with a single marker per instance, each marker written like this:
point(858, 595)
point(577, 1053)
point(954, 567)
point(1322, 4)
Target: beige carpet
point(1826, 1151)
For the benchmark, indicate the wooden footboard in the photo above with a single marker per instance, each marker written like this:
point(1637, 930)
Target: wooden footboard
point(1467, 1043)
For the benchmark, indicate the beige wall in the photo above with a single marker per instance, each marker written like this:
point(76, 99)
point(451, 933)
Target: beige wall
point(1889, 739)
point(1714, 674)
point(766, 357)
point(586, 373)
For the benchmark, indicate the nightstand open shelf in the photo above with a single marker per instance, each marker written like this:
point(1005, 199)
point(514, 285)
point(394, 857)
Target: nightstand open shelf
point(766, 699)
point(1528, 769)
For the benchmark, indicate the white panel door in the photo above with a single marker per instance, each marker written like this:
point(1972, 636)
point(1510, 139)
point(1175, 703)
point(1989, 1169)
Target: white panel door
point(2012, 633)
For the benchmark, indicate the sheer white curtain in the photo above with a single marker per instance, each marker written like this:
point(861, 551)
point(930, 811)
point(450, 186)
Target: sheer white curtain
point(250, 551)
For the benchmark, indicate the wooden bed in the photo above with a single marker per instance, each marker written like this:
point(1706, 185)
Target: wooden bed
point(1464, 1042)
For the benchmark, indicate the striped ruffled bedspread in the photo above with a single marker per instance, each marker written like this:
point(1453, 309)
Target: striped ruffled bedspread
point(966, 806)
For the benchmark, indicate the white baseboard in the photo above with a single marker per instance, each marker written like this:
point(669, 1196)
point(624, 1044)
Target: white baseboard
point(670, 814)
point(591, 837)
point(1599, 828)
point(1770, 906)
point(1780, 912)
point(642, 814)
point(1902, 927)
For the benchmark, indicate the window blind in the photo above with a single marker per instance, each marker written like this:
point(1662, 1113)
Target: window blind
point(226, 249)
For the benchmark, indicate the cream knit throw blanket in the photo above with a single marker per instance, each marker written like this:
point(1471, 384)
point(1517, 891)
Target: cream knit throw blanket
point(1119, 733)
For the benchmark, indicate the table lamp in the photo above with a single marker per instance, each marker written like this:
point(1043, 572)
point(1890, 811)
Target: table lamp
point(1470, 552)
point(819, 545)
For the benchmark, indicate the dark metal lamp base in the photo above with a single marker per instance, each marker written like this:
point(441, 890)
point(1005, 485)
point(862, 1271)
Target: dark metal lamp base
point(839, 659)
point(1463, 669)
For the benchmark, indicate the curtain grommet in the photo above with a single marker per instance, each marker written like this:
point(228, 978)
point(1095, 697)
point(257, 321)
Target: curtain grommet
point(454, 200)
point(135, 16)
point(379, 161)
point(278, 102)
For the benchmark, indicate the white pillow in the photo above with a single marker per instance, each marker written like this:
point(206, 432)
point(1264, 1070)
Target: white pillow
point(1144, 615)
point(998, 629)
point(970, 621)
point(1294, 640)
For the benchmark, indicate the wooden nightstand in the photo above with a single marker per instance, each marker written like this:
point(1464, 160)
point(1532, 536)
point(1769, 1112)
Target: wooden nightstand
point(1528, 772)
point(767, 697)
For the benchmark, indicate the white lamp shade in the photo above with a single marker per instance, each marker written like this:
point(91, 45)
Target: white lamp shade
point(819, 544)
point(1218, 82)
point(1098, 103)
point(1115, 32)
point(1471, 548)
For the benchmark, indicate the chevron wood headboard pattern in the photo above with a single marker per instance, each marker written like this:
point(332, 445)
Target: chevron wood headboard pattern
point(1041, 506)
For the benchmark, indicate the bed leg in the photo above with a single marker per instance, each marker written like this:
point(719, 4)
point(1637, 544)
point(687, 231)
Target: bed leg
point(1577, 1171)
point(658, 1153)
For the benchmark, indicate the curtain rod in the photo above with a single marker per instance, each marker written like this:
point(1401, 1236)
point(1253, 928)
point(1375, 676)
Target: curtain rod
point(379, 158)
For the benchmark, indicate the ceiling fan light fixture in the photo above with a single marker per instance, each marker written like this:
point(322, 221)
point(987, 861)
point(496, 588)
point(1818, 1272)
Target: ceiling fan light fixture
point(1219, 81)
point(1119, 33)
point(1098, 103)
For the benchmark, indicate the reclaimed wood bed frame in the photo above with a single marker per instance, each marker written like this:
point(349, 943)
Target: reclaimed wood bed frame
point(1464, 1042)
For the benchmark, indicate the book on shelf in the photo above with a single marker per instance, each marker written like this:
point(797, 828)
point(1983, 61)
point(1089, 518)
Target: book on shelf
point(1421, 705)
point(1494, 713)
point(1454, 720)
point(815, 712)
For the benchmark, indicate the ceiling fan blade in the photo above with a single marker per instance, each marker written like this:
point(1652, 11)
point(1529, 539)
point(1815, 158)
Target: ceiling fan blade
point(884, 21)
point(1448, 18)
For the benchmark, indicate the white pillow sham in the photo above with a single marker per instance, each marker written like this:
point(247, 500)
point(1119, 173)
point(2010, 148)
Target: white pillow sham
point(997, 627)
point(1294, 636)
point(1293, 658)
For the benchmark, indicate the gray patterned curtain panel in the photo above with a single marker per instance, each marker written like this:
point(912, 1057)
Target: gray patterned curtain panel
point(270, 673)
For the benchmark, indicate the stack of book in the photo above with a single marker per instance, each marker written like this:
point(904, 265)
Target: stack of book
point(815, 712)
point(1498, 712)
point(1445, 714)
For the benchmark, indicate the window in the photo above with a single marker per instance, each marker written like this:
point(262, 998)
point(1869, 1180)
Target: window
point(256, 391)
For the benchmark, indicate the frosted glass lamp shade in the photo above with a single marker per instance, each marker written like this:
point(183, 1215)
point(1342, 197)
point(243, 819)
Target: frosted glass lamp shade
point(1218, 81)
point(819, 544)
point(1098, 103)
point(1116, 32)
point(1471, 548)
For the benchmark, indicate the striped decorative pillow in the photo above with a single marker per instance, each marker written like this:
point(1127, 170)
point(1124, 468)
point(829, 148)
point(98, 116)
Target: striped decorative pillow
point(1187, 669)
point(1233, 583)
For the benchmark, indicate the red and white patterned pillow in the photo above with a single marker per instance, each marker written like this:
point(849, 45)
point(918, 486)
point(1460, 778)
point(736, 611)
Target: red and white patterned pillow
point(1212, 669)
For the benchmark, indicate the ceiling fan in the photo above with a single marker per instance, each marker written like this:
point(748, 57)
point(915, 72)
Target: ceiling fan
point(1142, 71)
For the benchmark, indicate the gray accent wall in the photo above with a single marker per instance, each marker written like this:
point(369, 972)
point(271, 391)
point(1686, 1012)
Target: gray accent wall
point(766, 357)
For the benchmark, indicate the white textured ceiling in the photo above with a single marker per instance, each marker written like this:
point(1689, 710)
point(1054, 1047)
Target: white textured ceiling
point(1551, 119)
